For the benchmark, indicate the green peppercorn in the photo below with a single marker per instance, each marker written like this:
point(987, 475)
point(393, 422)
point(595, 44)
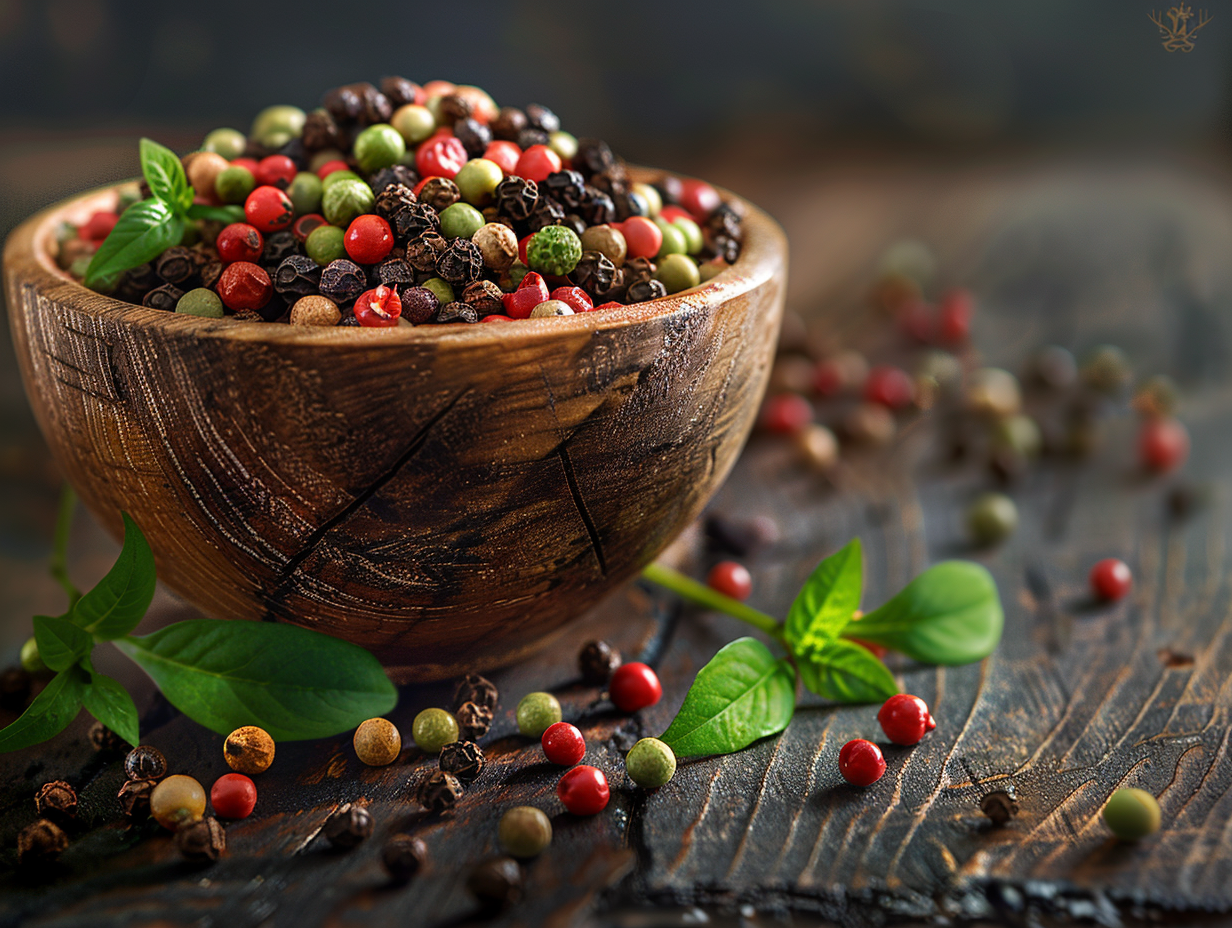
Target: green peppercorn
point(440, 288)
point(305, 192)
point(477, 179)
point(992, 518)
point(709, 270)
point(674, 242)
point(233, 184)
point(414, 123)
point(563, 144)
point(651, 196)
point(650, 763)
point(554, 250)
point(31, 662)
point(377, 147)
point(336, 177)
point(1107, 370)
point(1157, 398)
point(461, 220)
point(433, 729)
point(678, 272)
point(524, 831)
point(1017, 435)
point(277, 125)
point(325, 244)
point(537, 712)
point(1132, 814)
point(693, 241)
point(200, 302)
point(345, 200)
point(230, 143)
point(517, 271)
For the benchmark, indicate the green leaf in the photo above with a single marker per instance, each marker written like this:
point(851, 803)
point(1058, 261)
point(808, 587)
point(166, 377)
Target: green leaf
point(228, 214)
point(950, 614)
point(827, 600)
point(49, 713)
point(61, 644)
point(845, 672)
point(108, 701)
point(145, 231)
point(294, 683)
point(743, 694)
point(164, 172)
point(114, 607)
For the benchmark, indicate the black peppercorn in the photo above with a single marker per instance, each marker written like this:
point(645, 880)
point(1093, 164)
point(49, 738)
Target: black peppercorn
point(320, 131)
point(136, 282)
point(597, 661)
point(403, 856)
point(614, 182)
point(361, 103)
point(423, 252)
point(516, 197)
point(461, 262)
point(575, 222)
point(202, 841)
point(616, 292)
point(438, 791)
point(419, 304)
point(474, 721)
point(629, 204)
point(453, 108)
point(593, 157)
point(297, 274)
point(394, 174)
point(670, 189)
point(479, 690)
point(439, 192)
point(638, 270)
point(106, 741)
point(56, 801)
point(508, 124)
point(399, 90)
point(211, 272)
point(594, 273)
point(343, 103)
point(145, 762)
point(41, 842)
point(175, 265)
point(278, 247)
point(395, 271)
point(496, 883)
point(724, 220)
point(14, 688)
point(164, 298)
point(999, 806)
point(474, 136)
point(455, 312)
point(720, 246)
point(484, 297)
point(532, 136)
point(342, 280)
point(565, 187)
point(543, 118)
point(596, 207)
point(348, 825)
point(134, 798)
point(394, 197)
point(547, 213)
point(464, 759)
point(645, 290)
point(410, 222)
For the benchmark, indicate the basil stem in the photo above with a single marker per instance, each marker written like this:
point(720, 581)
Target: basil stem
point(702, 595)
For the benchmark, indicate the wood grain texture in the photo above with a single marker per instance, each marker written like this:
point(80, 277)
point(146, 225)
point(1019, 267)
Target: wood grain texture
point(447, 496)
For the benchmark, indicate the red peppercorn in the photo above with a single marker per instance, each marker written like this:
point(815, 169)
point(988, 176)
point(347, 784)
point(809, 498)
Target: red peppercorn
point(1163, 444)
point(889, 386)
point(536, 163)
point(368, 239)
point(860, 762)
point(503, 154)
point(954, 316)
point(496, 317)
point(437, 89)
point(563, 744)
point(611, 304)
point(98, 226)
point(672, 213)
point(699, 198)
point(634, 686)
point(233, 795)
point(583, 790)
point(277, 171)
point(904, 719)
point(440, 156)
point(731, 579)
point(530, 293)
point(786, 414)
point(244, 285)
point(328, 168)
point(269, 209)
point(304, 225)
point(239, 242)
point(1111, 579)
point(251, 165)
point(378, 308)
point(915, 319)
point(643, 238)
point(577, 299)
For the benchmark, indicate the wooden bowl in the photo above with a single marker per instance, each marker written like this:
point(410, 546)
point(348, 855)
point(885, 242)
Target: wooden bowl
point(447, 496)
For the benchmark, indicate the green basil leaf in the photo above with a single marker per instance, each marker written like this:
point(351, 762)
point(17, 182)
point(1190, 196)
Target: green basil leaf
point(294, 683)
point(108, 701)
point(845, 672)
point(950, 614)
point(114, 607)
point(228, 214)
point(61, 644)
point(827, 600)
point(164, 172)
point(743, 694)
point(49, 713)
point(145, 231)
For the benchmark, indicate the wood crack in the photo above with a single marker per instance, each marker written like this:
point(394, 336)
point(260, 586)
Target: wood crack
point(571, 478)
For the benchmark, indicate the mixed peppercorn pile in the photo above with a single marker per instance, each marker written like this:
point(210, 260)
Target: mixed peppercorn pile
point(406, 205)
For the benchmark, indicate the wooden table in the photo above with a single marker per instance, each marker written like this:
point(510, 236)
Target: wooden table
point(1077, 701)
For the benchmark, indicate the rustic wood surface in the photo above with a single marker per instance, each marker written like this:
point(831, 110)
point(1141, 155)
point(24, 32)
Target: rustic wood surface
point(1078, 700)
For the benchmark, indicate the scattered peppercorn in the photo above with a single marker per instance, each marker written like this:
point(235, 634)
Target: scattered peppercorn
point(403, 856)
point(145, 762)
point(102, 738)
point(992, 518)
point(134, 798)
point(536, 713)
point(650, 763)
point(583, 790)
point(233, 795)
point(1131, 814)
point(597, 661)
point(249, 750)
point(56, 801)
point(438, 791)
point(176, 801)
point(462, 759)
point(348, 825)
point(904, 719)
point(474, 721)
point(563, 744)
point(1111, 579)
point(40, 842)
point(634, 686)
point(433, 729)
point(202, 841)
point(999, 806)
point(860, 762)
point(476, 689)
point(496, 883)
point(524, 831)
point(377, 742)
point(730, 579)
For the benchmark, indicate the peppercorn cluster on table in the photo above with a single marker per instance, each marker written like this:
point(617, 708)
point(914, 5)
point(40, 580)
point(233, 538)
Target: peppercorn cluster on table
point(1079, 700)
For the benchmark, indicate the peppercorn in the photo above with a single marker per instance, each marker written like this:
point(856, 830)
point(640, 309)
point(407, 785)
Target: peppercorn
point(278, 247)
point(551, 308)
point(509, 122)
point(440, 289)
point(337, 175)
point(530, 137)
point(524, 831)
point(395, 271)
point(1054, 367)
point(453, 108)
point(315, 310)
point(474, 136)
point(1157, 398)
point(344, 200)
point(597, 661)
point(861, 762)
point(583, 790)
point(398, 90)
point(249, 750)
point(415, 123)
point(145, 762)
point(999, 806)
point(650, 763)
point(274, 126)
point(394, 198)
point(484, 297)
point(565, 187)
point(342, 281)
point(229, 143)
point(377, 742)
point(348, 825)
point(478, 180)
point(461, 262)
point(645, 290)
point(298, 275)
point(870, 423)
point(497, 244)
point(175, 265)
point(40, 842)
point(455, 311)
point(433, 729)
point(439, 193)
point(992, 518)
point(394, 175)
point(416, 220)
point(134, 798)
point(818, 447)
point(403, 856)
point(1132, 814)
point(677, 272)
point(320, 130)
point(163, 298)
point(378, 146)
point(56, 801)
point(102, 738)
point(305, 192)
point(537, 712)
point(554, 250)
point(419, 304)
point(516, 197)
point(541, 117)
point(176, 801)
point(461, 220)
point(202, 841)
point(476, 689)
point(607, 240)
point(244, 285)
point(463, 759)
point(1106, 370)
point(634, 686)
point(563, 744)
point(326, 244)
point(438, 791)
point(496, 883)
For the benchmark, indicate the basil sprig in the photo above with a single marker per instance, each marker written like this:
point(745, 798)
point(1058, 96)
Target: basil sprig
point(147, 229)
point(293, 682)
point(950, 614)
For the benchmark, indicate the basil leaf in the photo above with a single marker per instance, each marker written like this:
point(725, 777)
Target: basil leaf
point(108, 701)
point(226, 214)
point(49, 713)
point(145, 230)
point(845, 672)
point(61, 644)
point(114, 607)
point(164, 172)
point(950, 614)
point(743, 694)
point(294, 683)
point(828, 598)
